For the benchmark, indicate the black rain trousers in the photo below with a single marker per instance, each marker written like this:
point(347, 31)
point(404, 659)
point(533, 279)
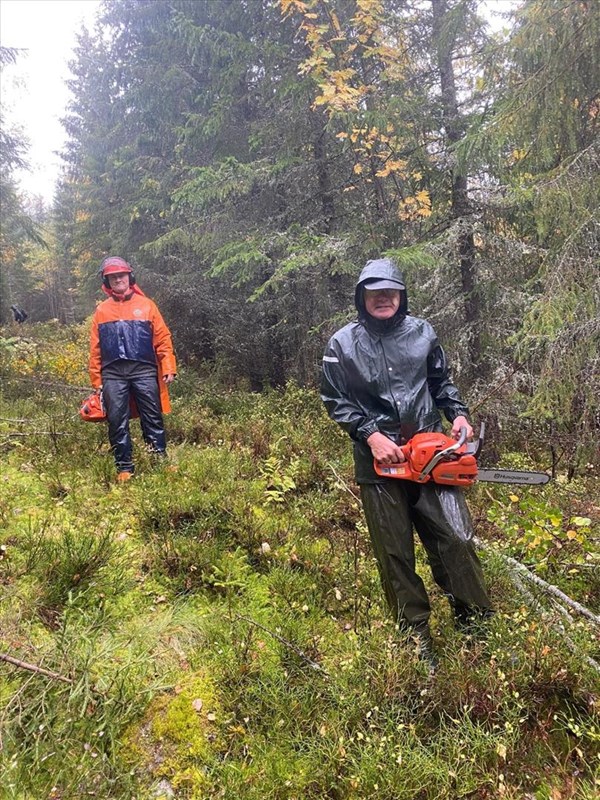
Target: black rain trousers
point(121, 381)
point(443, 522)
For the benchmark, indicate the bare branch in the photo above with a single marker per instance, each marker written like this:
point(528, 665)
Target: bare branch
point(285, 642)
point(16, 662)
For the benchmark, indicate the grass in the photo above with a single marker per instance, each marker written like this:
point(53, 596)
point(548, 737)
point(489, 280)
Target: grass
point(221, 629)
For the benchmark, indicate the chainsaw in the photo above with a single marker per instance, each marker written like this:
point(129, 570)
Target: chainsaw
point(452, 462)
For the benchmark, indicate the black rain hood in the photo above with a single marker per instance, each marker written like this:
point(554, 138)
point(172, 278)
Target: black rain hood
point(380, 269)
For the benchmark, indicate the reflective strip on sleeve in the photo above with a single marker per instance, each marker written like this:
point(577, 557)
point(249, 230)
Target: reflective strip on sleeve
point(332, 359)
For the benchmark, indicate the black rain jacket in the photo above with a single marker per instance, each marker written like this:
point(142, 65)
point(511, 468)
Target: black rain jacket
point(389, 376)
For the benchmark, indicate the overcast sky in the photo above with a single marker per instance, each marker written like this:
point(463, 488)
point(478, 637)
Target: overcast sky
point(33, 92)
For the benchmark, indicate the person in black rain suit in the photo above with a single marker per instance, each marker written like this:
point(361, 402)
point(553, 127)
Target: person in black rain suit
point(385, 378)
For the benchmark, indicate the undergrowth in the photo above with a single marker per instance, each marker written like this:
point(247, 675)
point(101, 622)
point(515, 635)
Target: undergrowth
point(216, 628)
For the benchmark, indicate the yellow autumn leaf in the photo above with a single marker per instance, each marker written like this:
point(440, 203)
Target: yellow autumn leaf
point(581, 522)
point(358, 169)
point(392, 165)
point(514, 498)
point(336, 23)
point(572, 535)
point(287, 6)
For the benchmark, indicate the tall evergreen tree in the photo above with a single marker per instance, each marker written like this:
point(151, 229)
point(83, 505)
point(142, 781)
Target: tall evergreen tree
point(548, 119)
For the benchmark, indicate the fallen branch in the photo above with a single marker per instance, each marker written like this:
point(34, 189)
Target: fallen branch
point(562, 610)
point(547, 587)
point(343, 482)
point(16, 662)
point(537, 606)
point(285, 642)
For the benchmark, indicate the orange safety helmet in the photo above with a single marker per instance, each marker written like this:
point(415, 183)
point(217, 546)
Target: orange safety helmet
point(114, 265)
point(92, 409)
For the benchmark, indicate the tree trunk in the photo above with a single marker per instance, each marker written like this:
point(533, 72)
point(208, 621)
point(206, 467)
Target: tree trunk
point(445, 39)
point(324, 178)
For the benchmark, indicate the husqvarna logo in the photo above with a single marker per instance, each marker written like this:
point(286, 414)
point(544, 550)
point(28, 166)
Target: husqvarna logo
point(137, 312)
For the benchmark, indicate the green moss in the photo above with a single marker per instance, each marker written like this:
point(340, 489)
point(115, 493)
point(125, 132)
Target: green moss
point(179, 737)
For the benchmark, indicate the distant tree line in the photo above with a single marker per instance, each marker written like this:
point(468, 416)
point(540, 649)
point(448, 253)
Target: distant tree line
point(249, 157)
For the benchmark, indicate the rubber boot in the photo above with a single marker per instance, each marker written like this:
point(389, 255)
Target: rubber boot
point(421, 635)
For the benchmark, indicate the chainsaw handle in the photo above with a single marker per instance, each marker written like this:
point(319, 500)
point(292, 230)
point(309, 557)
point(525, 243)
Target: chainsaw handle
point(443, 453)
point(462, 438)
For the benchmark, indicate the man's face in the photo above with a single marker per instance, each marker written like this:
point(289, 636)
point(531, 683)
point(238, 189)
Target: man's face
point(119, 282)
point(382, 303)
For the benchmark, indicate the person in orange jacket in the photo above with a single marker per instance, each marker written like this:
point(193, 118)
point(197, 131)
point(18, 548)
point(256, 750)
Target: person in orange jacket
point(131, 361)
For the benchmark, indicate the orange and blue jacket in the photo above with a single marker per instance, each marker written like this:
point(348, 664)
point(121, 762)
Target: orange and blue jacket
point(131, 328)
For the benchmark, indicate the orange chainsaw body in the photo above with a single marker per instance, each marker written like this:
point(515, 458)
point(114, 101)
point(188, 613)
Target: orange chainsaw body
point(456, 468)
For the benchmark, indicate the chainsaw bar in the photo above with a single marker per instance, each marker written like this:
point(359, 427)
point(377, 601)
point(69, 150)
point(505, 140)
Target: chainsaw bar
point(512, 476)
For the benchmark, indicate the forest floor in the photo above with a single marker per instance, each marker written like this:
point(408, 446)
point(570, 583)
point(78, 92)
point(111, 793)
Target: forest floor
point(215, 628)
